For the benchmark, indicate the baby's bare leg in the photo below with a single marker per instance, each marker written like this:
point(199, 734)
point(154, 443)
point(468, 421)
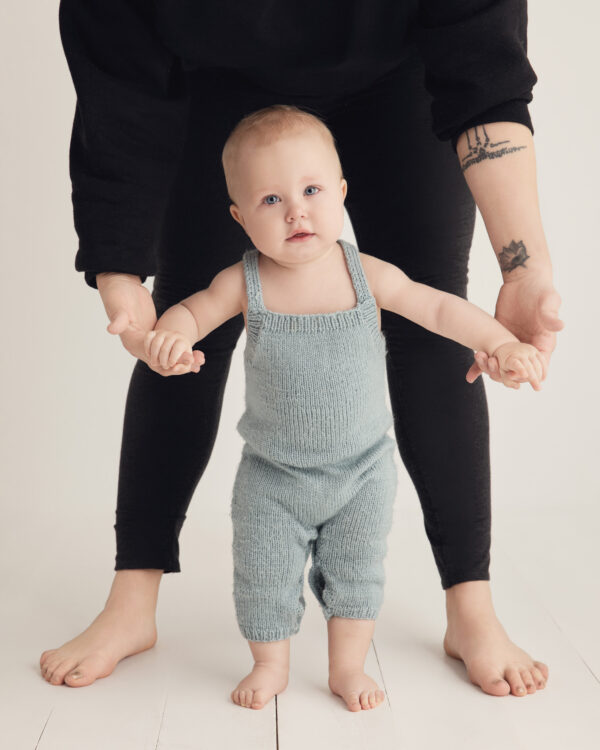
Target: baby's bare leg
point(349, 641)
point(269, 676)
point(125, 626)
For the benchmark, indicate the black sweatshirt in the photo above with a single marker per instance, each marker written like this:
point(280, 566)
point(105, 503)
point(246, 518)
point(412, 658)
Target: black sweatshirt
point(129, 60)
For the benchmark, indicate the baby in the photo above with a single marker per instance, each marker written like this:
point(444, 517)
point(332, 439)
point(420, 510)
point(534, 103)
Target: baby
point(317, 472)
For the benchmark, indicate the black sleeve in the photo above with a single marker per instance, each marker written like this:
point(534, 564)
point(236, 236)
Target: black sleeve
point(476, 66)
point(128, 131)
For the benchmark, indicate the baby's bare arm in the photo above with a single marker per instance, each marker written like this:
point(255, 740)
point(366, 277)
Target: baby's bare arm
point(200, 313)
point(445, 314)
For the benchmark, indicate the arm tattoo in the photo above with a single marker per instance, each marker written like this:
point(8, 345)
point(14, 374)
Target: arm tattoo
point(513, 256)
point(482, 149)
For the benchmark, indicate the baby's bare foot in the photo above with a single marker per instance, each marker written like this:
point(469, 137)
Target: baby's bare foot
point(257, 688)
point(114, 634)
point(356, 688)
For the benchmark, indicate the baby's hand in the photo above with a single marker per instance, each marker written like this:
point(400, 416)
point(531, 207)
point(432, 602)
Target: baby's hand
point(169, 349)
point(520, 363)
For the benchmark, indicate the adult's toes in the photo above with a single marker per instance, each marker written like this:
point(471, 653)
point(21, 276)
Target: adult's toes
point(79, 676)
point(48, 669)
point(58, 676)
point(494, 685)
point(515, 680)
point(45, 655)
point(539, 678)
point(528, 680)
point(90, 668)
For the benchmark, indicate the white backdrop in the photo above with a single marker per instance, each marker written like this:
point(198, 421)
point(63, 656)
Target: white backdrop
point(65, 379)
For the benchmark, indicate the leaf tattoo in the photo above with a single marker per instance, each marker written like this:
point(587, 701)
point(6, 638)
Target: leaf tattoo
point(513, 256)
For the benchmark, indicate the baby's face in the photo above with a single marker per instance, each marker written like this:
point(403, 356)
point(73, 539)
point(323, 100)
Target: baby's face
point(289, 186)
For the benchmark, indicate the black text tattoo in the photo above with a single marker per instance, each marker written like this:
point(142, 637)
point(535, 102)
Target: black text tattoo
point(480, 149)
point(513, 256)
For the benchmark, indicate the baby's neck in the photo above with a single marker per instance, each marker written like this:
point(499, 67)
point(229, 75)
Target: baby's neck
point(309, 267)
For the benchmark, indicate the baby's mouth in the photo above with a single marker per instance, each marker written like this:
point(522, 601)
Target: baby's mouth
point(300, 235)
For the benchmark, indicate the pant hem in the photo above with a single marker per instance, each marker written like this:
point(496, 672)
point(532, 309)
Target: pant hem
point(351, 613)
point(266, 635)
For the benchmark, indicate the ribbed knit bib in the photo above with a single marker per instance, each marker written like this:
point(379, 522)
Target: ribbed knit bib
point(315, 382)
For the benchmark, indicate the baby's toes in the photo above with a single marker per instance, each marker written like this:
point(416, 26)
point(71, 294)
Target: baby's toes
point(364, 699)
point(353, 702)
point(373, 700)
point(246, 697)
point(260, 698)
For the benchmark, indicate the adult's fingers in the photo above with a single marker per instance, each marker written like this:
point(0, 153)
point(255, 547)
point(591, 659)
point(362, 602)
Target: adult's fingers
point(473, 373)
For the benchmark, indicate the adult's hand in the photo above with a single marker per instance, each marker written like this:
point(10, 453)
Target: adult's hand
point(130, 308)
point(528, 307)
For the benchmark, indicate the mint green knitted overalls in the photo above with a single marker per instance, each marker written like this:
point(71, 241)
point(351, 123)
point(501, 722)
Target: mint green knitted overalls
point(317, 470)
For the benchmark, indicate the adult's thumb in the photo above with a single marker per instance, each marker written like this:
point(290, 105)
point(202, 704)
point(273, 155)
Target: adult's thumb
point(119, 323)
point(473, 373)
point(548, 308)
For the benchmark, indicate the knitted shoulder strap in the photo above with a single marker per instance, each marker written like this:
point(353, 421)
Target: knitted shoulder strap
point(367, 302)
point(253, 290)
point(356, 271)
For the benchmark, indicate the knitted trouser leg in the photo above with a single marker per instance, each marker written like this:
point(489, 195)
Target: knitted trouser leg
point(270, 550)
point(347, 573)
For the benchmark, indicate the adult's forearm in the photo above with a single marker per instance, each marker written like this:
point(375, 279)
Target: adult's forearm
point(498, 163)
point(108, 274)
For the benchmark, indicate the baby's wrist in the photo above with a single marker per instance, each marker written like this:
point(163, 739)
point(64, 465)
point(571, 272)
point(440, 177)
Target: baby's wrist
point(496, 350)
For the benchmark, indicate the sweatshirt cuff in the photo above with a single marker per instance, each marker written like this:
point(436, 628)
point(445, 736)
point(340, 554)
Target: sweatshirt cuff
point(515, 110)
point(104, 257)
point(90, 277)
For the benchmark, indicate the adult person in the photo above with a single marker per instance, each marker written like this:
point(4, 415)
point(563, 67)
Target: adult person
point(428, 105)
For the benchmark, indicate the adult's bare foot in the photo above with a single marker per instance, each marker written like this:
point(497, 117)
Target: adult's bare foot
point(126, 626)
point(476, 637)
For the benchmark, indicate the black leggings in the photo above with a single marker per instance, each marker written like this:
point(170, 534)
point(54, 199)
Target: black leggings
point(409, 204)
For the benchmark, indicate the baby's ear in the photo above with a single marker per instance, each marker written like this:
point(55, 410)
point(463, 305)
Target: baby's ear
point(235, 212)
point(344, 186)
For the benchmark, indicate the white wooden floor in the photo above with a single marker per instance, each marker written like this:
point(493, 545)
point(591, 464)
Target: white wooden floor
point(176, 696)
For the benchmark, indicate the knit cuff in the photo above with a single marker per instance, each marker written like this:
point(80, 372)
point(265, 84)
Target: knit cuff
point(265, 635)
point(351, 613)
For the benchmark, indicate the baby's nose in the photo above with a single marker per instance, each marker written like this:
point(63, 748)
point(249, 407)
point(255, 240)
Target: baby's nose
point(296, 212)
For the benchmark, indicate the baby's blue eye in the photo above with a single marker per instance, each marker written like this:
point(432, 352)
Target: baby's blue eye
point(312, 187)
point(267, 199)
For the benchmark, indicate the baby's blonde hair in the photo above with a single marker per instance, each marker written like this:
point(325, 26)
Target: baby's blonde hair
point(266, 126)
